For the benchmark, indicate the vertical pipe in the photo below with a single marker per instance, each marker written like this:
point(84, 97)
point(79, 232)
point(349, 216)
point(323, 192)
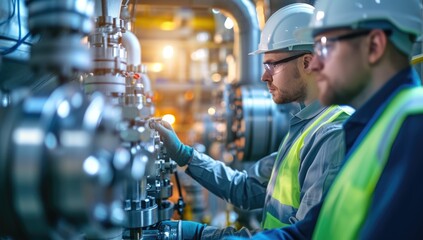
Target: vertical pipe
point(133, 48)
point(247, 36)
point(104, 8)
point(109, 7)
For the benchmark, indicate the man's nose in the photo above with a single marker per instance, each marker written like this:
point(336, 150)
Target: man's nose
point(266, 77)
point(316, 65)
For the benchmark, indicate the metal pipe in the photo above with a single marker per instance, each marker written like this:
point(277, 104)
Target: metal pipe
point(107, 8)
point(247, 36)
point(246, 29)
point(133, 48)
point(104, 8)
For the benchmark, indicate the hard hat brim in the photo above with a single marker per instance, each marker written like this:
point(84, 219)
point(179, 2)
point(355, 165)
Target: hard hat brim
point(258, 51)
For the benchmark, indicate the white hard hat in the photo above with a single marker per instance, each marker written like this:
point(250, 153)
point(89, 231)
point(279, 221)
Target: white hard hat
point(405, 17)
point(278, 32)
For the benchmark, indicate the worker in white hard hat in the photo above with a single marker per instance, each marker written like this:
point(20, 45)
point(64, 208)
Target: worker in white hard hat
point(362, 58)
point(308, 158)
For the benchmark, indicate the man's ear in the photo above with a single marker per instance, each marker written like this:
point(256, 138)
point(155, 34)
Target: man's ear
point(377, 46)
point(307, 62)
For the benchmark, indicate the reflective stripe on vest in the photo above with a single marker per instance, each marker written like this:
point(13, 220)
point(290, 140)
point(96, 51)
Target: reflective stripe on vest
point(286, 192)
point(346, 205)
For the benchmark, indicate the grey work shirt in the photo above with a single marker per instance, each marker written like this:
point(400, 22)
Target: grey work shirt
point(320, 157)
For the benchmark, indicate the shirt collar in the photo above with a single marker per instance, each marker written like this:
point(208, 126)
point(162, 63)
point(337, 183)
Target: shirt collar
point(310, 111)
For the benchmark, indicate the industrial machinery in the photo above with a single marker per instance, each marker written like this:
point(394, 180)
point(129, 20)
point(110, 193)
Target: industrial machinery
point(251, 115)
point(119, 75)
point(61, 159)
point(78, 159)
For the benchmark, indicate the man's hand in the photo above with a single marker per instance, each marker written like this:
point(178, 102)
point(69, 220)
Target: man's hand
point(177, 151)
point(188, 229)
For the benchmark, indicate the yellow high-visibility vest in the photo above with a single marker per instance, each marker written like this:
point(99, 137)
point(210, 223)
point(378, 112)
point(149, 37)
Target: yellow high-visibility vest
point(287, 187)
point(346, 206)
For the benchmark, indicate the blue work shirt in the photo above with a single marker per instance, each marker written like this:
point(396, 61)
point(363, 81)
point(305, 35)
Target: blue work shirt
point(248, 189)
point(398, 196)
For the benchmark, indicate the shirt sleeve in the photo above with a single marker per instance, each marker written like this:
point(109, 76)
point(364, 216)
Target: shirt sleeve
point(214, 233)
point(397, 201)
point(245, 189)
point(321, 160)
point(301, 230)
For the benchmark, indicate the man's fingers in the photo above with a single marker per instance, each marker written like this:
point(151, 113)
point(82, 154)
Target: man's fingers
point(162, 127)
point(166, 125)
point(158, 126)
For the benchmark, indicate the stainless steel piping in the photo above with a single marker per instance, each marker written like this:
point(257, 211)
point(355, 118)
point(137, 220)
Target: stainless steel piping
point(107, 8)
point(133, 48)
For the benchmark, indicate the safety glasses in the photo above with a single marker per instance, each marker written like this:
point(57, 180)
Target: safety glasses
point(270, 66)
point(324, 46)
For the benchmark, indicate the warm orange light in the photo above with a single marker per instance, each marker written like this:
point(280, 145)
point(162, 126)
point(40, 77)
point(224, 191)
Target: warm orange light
point(155, 67)
point(168, 52)
point(168, 26)
point(169, 118)
point(157, 96)
point(189, 95)
point(216, 77)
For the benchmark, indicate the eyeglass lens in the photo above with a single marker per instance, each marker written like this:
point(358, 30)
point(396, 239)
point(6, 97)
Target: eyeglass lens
point(270, 66)
point(324, 45)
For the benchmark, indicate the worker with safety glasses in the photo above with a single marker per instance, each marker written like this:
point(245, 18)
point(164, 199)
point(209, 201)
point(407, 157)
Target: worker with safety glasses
point(288, 183)
point(362, 58)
